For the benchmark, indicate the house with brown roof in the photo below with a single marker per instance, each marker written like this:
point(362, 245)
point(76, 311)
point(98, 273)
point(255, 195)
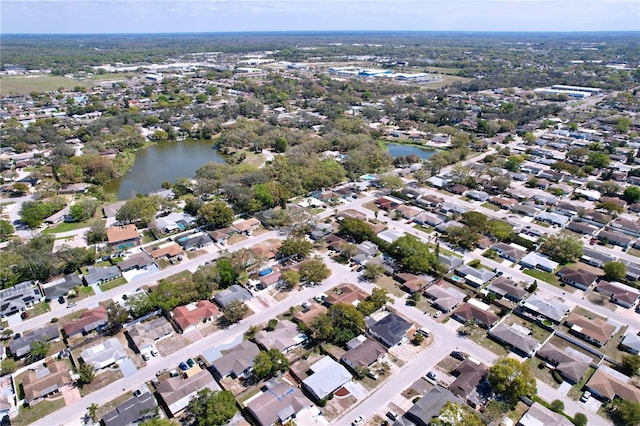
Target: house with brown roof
point(505, 287)
point(221, 235)
point(607, 384)
point(237, 361)
point(592, 330)
point(307, 315)
point(469, 375)
point(470, 311)
point(503, 203)
point(279, 402)
point(411, 283)
point(93, 319)
point(363, 355)
point(167, 250)
point(386, 203)
point(284, 337)
point(619, 293)
point(123, 237)
point(579, 278)
point(148, 333)
point(570, 366)
point(176, 392)
point(188, 317)
point(247, 226)
point(51, 379)
point(346, 293)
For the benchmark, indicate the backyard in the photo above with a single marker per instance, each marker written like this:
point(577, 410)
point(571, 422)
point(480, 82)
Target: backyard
point(29, 415)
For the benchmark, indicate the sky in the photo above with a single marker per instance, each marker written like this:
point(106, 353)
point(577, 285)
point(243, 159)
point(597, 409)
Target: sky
point(171, 16)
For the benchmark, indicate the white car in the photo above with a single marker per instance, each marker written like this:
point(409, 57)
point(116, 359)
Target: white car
point(585, 396)
point(357, 420)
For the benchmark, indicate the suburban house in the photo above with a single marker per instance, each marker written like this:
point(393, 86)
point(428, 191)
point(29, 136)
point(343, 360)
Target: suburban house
point(221, 235)
point(123, 237)
point(348, 294)
point(475, 277)
point(51, 379)
point(93, 319)
point(104, 354)
point(582, 228)
point(390, 330)
point(443, 297)
point(284, 337)
point(631, 343)
point(307, 315)
point(411, 283)
point(270, 280)
point(570, 365)
point(516, 337)
point(231, 294)
point(188, 317)
point(144, 335)
point(195, 241)
point(247, 226)
point(53, 290)
point(364, 354)
point(176, 392)
point(469, 373)
point(607, 384)
point(429, 406)
point(101, 274)
point(22, 346)
point(509, 252)
point(137, 261)
point(507, 288)
point(450, 261)
point(626, 227)
point(326, 377)
point(18, 298)
point(596, 258)
point(534, 260)
point(475, 312)
point(538, 415)
point(578, 278)
point(430, 219)
point(592, 330)
point(503, 203)
point(173, 222)
point(551, 309)
point(620, 294)
point(133, 411)
point(166, 250)
point(237, 361)
point(615, 238)
point(279, 402)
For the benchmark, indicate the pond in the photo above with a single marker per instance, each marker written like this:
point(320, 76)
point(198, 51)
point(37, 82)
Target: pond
point(163, 162)
point(396, 150)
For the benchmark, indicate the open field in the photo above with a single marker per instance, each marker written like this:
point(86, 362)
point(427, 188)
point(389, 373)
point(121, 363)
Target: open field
point(44, 83)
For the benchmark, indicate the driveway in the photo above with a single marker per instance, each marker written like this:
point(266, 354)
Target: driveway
point(564, 388)
point(127, 367)
point(71, 395)
point(356, 390)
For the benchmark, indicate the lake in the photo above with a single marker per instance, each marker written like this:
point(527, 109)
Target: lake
point(396, 150)
point(163, 162)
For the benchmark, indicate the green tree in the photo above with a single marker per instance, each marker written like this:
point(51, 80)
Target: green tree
point(598, 160)
point(631, 364)
point(357, 229)
point(614, 271)
point(314, 270)
point(376, 300)
point(629, 412)
point(269, 363)
point(512, 379)
point(347, 321)
point(83, 210)
point(226, 272)
point(212, 408)
point(117, 316)
point(299, 248)
point(86, 373)
point(562, 248)
point(92, 409)
point(139, 209)
point(97, 233)
point(290, 278)
point(6, 229)
point(557, 406)
point(412, 254)
point(454, 414)
point(372, 271)
point(580, 419)
point(463, 237)
point(217, 213)
point(632, 194)
point(39, 350)
point(20, 188)
point(234, 311)
point(476, 221)
point(7, 366)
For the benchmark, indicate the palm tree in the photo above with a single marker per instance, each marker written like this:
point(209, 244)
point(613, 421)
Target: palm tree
point(92, 410)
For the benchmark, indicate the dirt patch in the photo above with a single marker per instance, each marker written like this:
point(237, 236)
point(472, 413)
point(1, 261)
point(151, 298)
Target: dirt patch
point(172, 344)
point(102, 379)
point(211, 328)
point(235, 386)
point(418, 388)
point(337, 406)
point(236, 238)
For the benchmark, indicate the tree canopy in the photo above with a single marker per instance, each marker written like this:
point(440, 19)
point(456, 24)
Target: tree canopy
point(512, 379)
point(562, 248)
point(212, 408)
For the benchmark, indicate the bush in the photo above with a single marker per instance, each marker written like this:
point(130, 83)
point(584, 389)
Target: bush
point(475, 263)
point(557, 405)
point(580, 419)
point(322, 402)
point(557, 377)
point(54, 320)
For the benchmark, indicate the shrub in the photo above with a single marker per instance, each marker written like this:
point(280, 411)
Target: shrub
point(557, 405)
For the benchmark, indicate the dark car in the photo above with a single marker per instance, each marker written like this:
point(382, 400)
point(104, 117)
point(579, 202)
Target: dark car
point(24, 315)
point(61, 300)
point(459, 355)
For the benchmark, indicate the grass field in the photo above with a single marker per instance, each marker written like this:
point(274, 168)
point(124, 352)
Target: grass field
point(29, 415)
point(45, 83)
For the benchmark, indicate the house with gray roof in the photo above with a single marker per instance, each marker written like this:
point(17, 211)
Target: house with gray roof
point(631, 343)
point(539, 415)
point(519, 341)
point(551, 309)
point(615, 238)
point(18, 298)
point(390, 330)
point(475, 276)
point(140, 260)
point(443, 297)
point(442, 228)
point(326, 377)
point(582, 228)
point(509, 252)
point(279, 402)
point(133, 411)
point(626, 227)
point(450, 261)
point(104, 354)
point(553, 218)
point(449, 207)
point(364, 354)
point(22, 346)
point(478, 195)
point(633, 270)
point(595, 257)
point(535, 260)
point(196, 241)
point(231, 294)
point(176, 392)
point(430, 219)
point(567, 361)
point(429, 406)
point(505, 287)
point(237, 362)
point(101, 274)
point(55, 289)
point(285, 337)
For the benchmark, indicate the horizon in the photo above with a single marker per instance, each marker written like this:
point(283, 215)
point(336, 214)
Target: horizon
point(85, 17)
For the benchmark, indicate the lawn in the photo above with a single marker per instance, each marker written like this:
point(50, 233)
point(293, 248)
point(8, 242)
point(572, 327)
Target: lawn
point(427, 230)
point(23, 85)
point(66, 227)
point(550, 278)
point(490, 206)
point(101, 380)
point(576, 390)
point(148, 237)
point(480, 337)
point(29, 415)
point(113, 284)
point(540, 370)
point(390, 285)
point(180, 279)
point(39, 309)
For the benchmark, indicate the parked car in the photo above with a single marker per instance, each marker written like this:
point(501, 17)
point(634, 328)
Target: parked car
point(61, 300)
point(154, 352)
point(161, 372)
point(191, 362)
point(24, 315)
point(432, 376)
point(392, 415)
point(585, 396)
point(459, 355)
point(357, 420)
point(183, 366)
point(71, 305)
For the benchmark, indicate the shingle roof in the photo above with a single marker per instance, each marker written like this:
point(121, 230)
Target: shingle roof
point(186, 316)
